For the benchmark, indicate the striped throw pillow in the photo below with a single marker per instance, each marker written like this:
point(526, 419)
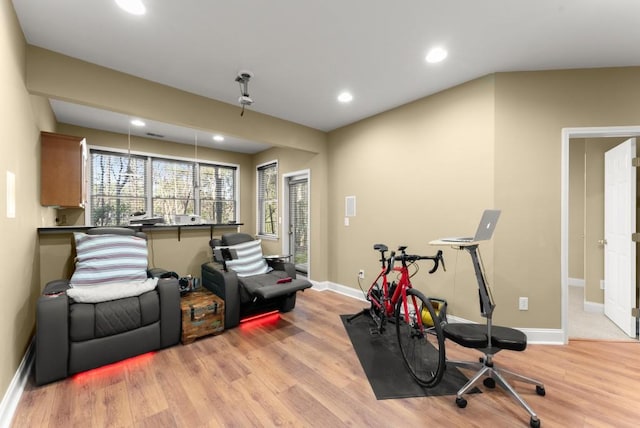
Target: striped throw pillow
point(109, 259)
point(250, 261)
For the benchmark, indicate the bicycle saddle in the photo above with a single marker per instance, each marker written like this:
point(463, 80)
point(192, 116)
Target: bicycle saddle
point(380, 247)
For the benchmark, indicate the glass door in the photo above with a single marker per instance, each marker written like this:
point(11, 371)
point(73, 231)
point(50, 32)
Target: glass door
point(298, 189)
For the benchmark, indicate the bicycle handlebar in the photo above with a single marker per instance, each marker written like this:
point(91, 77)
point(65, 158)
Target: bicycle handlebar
point(404, 258)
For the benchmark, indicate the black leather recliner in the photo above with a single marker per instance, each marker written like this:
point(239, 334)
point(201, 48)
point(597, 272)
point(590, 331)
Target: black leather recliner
point(72, 337)
point(248, 295)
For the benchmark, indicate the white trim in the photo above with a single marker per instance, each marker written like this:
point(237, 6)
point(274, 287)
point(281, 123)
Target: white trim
point(576, 282)
point(593, 307)
point(566, 135)
point(538, 336)
point(344, 290)
point(11, 398)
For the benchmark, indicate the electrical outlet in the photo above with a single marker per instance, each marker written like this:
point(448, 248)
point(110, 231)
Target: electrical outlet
point(361, 274)
point(523, 303)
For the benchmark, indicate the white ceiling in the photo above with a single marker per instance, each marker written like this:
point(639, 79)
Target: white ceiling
point(304, 53)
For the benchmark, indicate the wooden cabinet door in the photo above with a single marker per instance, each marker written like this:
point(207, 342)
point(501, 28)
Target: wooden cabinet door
point(63, 159)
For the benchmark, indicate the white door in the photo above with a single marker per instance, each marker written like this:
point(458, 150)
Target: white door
point(619, 224)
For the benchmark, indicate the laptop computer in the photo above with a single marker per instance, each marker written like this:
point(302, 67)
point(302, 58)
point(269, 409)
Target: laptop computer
point(485, 228)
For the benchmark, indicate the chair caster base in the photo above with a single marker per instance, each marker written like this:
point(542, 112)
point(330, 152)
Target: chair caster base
point(489, 382)
point(540, 390)
point(534, 423)
point(461, 402)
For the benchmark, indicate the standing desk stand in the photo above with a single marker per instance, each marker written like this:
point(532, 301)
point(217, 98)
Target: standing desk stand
point(489, 339)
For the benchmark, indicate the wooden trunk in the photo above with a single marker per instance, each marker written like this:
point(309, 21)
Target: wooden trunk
point(202, 314)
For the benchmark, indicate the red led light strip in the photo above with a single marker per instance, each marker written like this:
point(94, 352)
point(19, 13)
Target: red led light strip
point(110, 369)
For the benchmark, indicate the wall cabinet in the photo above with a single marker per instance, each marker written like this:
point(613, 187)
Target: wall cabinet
point(63, 165)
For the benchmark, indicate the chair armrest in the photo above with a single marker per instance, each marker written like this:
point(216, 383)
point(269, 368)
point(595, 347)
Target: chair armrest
point(170, 316)
point(52, 338)
point(223, 284)
point(287, 267)
point(156, 272)
point(56, 287)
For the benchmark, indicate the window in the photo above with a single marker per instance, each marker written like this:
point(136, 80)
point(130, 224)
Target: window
point(118, 187)
point(173, 188)
point(122, 184)
point(217, 193)
point(268, 199)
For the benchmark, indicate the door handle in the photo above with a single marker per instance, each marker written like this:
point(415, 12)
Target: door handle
point(602, 242)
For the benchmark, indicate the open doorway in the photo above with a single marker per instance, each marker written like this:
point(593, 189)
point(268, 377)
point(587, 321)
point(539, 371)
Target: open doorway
point(582, 232)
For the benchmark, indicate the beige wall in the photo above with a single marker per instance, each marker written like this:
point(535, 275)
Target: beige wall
point(291, 160)
point(22, 117)
point(419, 172)
point(576, 208)
point(493, 142)
point(531, 110)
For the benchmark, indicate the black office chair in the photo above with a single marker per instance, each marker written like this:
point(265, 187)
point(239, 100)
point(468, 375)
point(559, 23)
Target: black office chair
point(489, 339)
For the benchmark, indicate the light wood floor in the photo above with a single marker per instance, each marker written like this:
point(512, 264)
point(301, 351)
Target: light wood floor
point(302, 371)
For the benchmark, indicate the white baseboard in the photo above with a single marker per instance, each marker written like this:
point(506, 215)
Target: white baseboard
point(340, 289)
point(544, 336)
point(593, 307)
point(16, 387)
point(576, 282)
point(538, 336)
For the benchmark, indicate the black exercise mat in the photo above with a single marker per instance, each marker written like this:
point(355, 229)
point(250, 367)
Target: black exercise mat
point(382, 362)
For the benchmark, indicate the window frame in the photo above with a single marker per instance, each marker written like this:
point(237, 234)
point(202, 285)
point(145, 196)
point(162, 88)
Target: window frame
point(260, 221)
point(148, 177)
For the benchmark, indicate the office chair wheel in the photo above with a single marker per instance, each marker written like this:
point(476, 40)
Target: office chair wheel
point(540, 390)
point(534, 423)
point(461, 402)
point(489, 382)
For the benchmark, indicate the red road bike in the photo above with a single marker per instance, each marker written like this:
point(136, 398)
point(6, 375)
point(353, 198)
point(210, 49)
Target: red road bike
point(418, 325)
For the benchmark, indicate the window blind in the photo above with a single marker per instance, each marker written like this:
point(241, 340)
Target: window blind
point(268, 199)
point(118, 187)
point(122, 184)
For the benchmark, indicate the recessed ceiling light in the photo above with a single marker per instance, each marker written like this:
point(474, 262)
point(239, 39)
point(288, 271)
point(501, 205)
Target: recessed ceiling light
point(218, 138)
point(436, 55)
point(134, 7)
point(345, 97)
point(137, 122)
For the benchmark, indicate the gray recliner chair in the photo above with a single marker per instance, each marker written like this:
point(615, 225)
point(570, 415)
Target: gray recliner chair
point(244, 293)
point(72, 337)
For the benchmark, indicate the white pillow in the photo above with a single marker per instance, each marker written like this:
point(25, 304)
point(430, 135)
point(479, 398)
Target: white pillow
point(109, 259)
point(250, 261)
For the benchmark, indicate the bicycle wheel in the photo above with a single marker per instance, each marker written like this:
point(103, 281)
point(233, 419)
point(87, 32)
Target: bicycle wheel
point(422, 345)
